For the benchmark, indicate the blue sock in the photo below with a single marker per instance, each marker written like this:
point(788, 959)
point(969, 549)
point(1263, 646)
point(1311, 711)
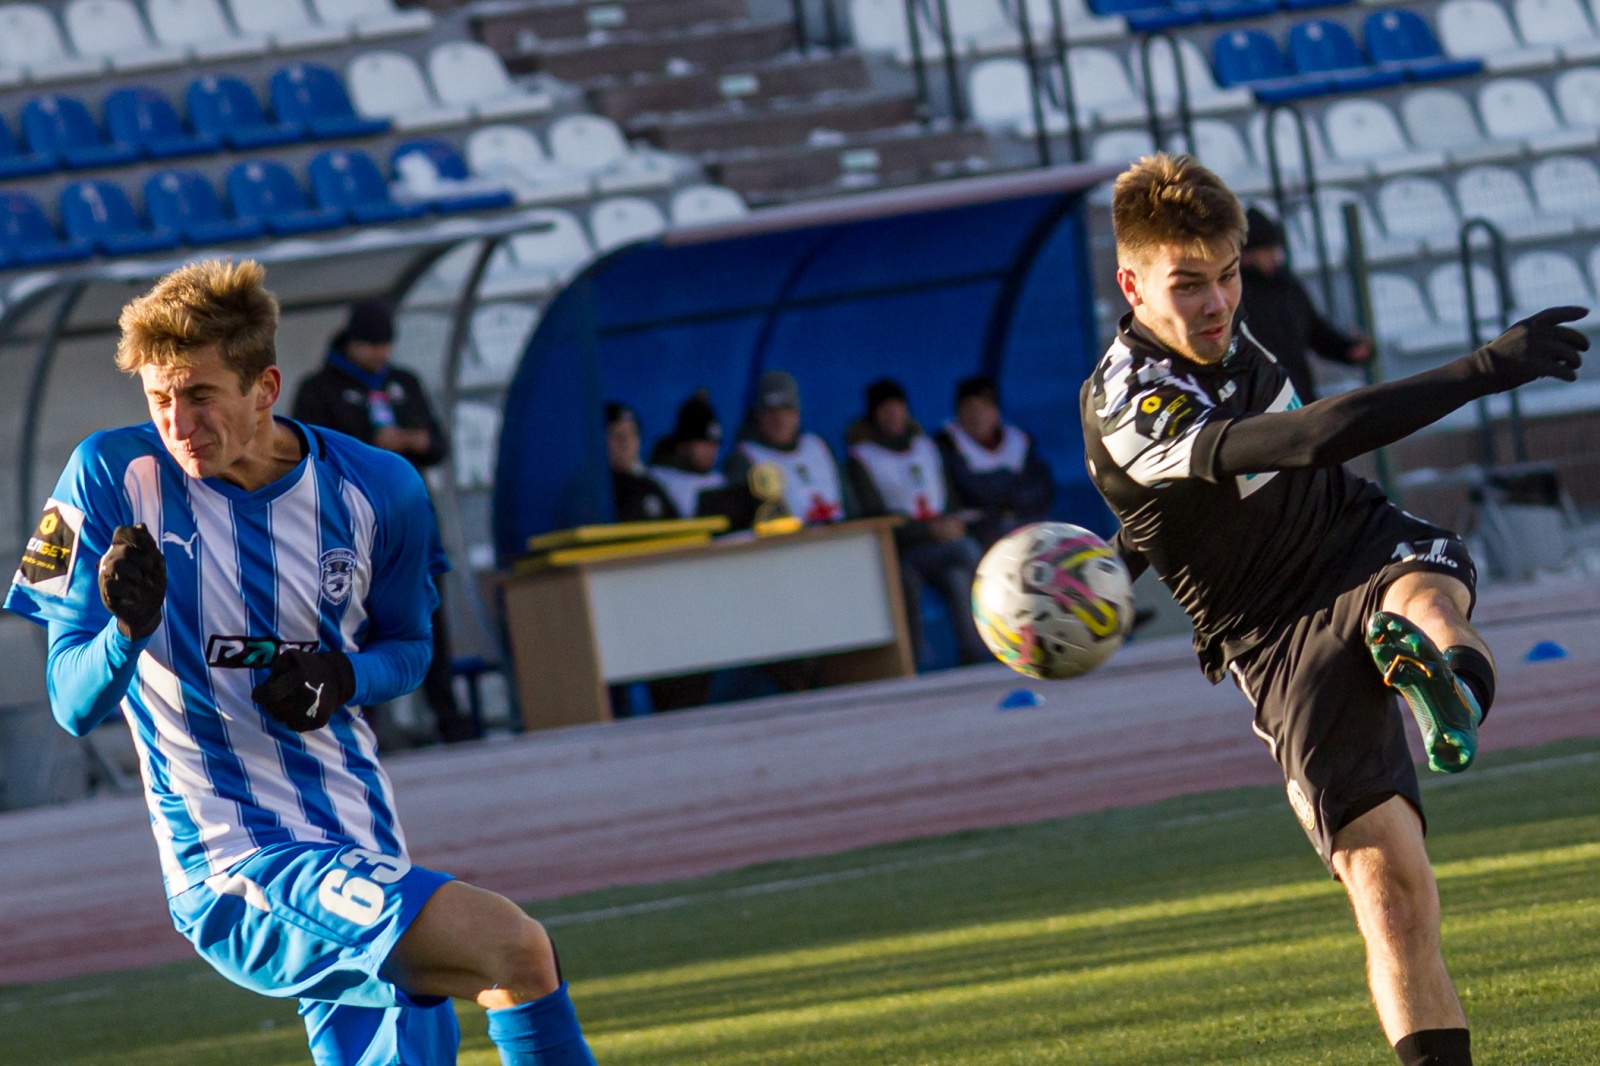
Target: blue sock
point(542, 1033)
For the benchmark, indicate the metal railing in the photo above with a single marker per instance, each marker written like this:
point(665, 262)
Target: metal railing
point(1497, 259)
point(1152, 109)
point(1309, 182)
point(832, 30)
point(1366, 325)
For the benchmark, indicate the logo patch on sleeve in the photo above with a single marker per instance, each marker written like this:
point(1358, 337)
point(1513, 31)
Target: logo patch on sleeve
point(52, 550)
point(1165, 412)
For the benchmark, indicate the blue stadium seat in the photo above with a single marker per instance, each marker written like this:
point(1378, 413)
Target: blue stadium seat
point(100, 213)
point(1148, 16)
point(61, 127)
point(1307, 5)
point(184, 201)
point(1227, 10)
point(143, 117)
point(1325, 49)
point(448, 166)
point(1251, 59)
point(314, 97)
point(351, 182)
point(16, 163)
point(28, 237)
point(1400, 40)
point(224, 106)
point(267, 191)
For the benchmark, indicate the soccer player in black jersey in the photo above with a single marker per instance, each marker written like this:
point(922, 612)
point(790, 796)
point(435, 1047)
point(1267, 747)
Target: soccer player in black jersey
point(1302, 579)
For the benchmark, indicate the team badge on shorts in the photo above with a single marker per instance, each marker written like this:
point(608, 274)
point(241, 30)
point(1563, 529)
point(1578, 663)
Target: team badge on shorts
point(1302, 807)
point(338, 574)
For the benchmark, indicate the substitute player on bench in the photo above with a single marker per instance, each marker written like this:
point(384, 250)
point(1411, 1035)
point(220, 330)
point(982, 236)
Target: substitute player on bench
point(1299, 576)
point(238, 583)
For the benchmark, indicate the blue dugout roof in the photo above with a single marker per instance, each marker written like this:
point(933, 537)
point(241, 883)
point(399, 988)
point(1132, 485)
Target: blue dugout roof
point(926, 285)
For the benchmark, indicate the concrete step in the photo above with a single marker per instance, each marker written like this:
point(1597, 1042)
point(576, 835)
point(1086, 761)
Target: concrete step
point(734, 127)
point(520, 30)
point(902, 155)
point(716, 47)
point(753, 84)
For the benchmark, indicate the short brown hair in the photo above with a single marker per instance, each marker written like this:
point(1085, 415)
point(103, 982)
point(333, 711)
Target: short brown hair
point(210, 302)
point(1167, 199)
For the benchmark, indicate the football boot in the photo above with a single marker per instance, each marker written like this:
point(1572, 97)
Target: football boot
point(1445, 709)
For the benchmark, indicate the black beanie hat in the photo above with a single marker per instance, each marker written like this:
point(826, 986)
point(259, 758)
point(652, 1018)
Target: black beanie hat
point(881, 392)
point(370, 322)
point(697, 420)
point(977, 385)
point(616, 412)
point(1263, 231)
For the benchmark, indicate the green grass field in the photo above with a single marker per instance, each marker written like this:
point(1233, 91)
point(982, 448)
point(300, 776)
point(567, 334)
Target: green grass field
point(1193, 931)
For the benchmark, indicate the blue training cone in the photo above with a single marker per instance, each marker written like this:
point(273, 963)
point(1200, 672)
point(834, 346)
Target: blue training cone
point(1545, 651)
point(1019, 698)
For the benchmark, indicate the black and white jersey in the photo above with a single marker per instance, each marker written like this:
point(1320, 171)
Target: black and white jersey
point(1239, 552)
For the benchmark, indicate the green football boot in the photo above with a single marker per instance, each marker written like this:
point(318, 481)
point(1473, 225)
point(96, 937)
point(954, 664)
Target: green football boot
point(1445, 709)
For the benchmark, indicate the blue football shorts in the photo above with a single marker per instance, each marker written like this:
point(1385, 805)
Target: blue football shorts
point(317, 922)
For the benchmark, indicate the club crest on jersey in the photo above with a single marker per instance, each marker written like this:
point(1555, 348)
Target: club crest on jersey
point(250, 653)
point(338, 574)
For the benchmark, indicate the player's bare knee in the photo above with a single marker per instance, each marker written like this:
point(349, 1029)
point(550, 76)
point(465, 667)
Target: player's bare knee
point(525, 963)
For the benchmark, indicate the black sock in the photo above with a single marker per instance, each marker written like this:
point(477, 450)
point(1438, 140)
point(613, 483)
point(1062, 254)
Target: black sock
point(1435, 1047)
point(1475, 672)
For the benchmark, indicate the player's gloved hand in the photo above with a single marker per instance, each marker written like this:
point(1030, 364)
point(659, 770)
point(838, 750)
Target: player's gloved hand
point(133, 581)
point(304, 688)
point(1536, 347)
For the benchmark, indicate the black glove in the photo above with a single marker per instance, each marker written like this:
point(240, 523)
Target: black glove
point(304, 688)
point(133, 581)
point(1536, 347)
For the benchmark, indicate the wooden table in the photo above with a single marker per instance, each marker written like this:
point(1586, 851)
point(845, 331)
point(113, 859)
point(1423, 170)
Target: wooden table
point(830, 592)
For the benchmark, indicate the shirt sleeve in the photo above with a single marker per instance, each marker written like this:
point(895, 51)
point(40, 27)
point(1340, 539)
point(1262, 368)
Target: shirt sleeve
point(1163, 432)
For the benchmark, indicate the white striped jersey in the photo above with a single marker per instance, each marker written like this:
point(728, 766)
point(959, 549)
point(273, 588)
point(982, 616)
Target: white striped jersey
point(341, 553)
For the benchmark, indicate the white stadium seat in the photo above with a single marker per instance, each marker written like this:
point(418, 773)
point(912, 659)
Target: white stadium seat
point(1561, 24)
point(1286, 138)
point(371, 18)
point(1578, 96)
point(1220, 146)
point(624, 220)
point(1102, 91)
point(1081, 24)
point(699, 205)
point(115, 31)
point(286, 23)
point(880, 26)
point(390, 85)
point(469, 74)
point(475, 431)
point(978, 27)
point(31, 42)
point(1443, 120)
point(1118, 147)
point(1548, 279)
point(533, 264)
point(1500, 195)
point(500, 334)
point(1366, 131)
point(1566, 186)
point(1448, 294)
point(1379, 246)
point(1419, 209)
point(595, 146)
point(1206, 97)
point(1000, 98)
point(1517, 109)
point(200, 27)
point(1480, 29)
point(514, 156)
point(1401, 316)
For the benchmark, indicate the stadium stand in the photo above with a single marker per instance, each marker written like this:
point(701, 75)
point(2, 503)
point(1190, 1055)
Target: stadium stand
point(145, 119)
point(390, 86)
point(285, 23)
point(99, 213)
point(201, 30)
point(185, 202)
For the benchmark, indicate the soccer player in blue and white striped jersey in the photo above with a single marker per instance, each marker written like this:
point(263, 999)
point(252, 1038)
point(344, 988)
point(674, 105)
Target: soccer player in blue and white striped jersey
point(238, 584)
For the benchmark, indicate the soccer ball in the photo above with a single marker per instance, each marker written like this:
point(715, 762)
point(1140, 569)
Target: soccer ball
point(1052, 600)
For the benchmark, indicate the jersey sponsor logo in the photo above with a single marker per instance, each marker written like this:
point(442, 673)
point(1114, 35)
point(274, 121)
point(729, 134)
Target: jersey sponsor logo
point(186, 545)
point(250, 653)
point(338, 574)
point(1164, 413)
point(52, 550)
point(1426, 551)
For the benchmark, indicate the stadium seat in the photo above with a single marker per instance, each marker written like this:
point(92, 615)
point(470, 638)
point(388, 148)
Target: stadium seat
point(1220, 147)
point(15, 162)
point(1480, 29)
point(468, 74)
point(624, 220)
point(351, 182)
point(267, 191)
point(100, 213)
point(28, 236)
point(62, 128)
point(538, 262)
point(1517, 109)
point(1419, 209)
point(1444, 120)
point(1380, 247)
point(433, 172)
point(1594, 267)
point(513, 156)
point(390, 85)
point(1400, 40)
point(699, 205)
point(1322, 48)
point(880, 26)
point(1286, 141)
point(1251, 59)
point(1578, 97)
point(224, 106)
point(199, 27)
point(982, 27)
point(1080, 24)
point(595, 146)
point(286, 23)
point(1206, 97)
point(1102, 91)
point(114, 30)
point(1560, 24)
point(313, 98)
point(372, 18)
point(1366, 131)
point(1548, 279)
point(1500, 195)
point(185, 202)
point(30, 40)
point(1151, 16)
point(1121, 146)
point(144, 118)
point(1000, 99)
point(1401, 316)
point(1566, 186)
point(500, 334)
point(1447, 292)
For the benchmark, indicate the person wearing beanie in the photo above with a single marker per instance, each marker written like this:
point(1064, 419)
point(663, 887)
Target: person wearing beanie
point(684, 462)
point(638, 496)
point(359, 392)
point(813, 490)
point(1277, 311)
point(993, 466)
point(895, 468)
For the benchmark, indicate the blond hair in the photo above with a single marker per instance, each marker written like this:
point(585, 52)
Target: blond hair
point(1164, 199)
point(209, 302)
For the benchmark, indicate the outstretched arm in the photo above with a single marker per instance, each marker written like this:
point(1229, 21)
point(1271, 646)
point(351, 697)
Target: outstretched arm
point(1335, 430)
